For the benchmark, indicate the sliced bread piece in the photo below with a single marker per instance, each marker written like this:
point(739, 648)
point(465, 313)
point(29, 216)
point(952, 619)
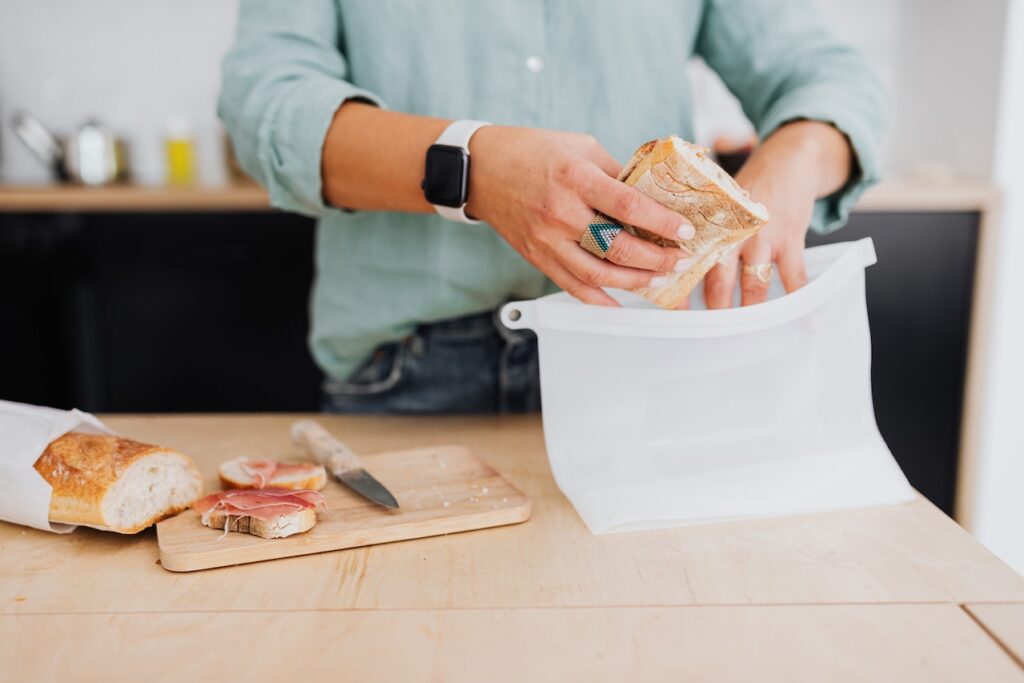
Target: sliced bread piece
point(277, 527)
point(267, 513)
point(116, 484)
point(681, 176)
point(259, 473)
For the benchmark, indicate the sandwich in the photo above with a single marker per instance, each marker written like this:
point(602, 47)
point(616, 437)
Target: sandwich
point(261, 473)
point(267, 513)
point(681, 176)
point(116, 484)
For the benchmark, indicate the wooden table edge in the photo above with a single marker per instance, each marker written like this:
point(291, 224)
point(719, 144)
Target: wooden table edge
point(503, 608)
point(991, 632)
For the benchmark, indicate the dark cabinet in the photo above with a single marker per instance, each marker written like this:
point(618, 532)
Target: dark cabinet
point(158, 312)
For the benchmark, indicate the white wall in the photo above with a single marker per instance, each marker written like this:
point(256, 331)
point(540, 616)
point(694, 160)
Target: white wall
point(948, 81)
point(999, 511)
point(132, 63)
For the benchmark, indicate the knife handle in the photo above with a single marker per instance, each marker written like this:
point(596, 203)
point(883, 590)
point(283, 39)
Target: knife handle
point(325, 449)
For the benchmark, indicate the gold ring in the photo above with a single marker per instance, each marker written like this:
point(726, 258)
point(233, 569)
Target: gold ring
point(762, 271)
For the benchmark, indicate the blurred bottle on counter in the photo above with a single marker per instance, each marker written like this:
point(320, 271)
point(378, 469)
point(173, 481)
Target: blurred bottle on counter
point(180, 150)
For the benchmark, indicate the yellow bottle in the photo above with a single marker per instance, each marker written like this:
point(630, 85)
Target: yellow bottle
point(180, 151)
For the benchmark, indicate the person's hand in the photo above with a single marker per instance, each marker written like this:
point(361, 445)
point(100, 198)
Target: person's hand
point(797, 164)
point(540, 189)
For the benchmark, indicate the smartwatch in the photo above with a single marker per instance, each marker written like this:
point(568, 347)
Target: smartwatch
point(446, 179)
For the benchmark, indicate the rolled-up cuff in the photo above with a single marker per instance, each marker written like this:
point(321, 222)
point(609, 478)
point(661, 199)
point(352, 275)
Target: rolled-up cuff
point(831, 212)
point(292, 144)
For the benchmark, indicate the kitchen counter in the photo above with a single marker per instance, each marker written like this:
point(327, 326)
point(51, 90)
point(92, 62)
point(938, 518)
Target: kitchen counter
point(871, 594)
point(888, 196)
point(131, 198)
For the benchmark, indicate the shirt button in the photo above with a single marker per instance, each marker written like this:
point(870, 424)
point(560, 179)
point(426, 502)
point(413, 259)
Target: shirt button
point(534, 64)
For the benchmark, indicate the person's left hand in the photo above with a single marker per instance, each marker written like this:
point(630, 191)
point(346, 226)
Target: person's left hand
point(787, 173)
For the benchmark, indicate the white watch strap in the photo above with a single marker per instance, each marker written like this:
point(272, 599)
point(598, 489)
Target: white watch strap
point(452, 213)
point(458, 134)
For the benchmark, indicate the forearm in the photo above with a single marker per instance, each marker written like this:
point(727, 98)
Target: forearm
point(373, 158)
point(813, 149)
point(799, 163)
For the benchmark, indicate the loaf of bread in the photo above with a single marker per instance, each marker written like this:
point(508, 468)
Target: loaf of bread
point(116, 484)
point(681, 176)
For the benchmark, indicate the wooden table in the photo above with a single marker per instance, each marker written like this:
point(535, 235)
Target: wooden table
point(899, 593)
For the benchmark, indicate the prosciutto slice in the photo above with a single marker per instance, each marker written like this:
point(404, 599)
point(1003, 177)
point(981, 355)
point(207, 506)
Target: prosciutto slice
point(263, 471)
point(265, 504)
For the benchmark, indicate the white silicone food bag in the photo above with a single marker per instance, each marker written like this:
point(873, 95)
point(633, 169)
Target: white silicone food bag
point(659, 418)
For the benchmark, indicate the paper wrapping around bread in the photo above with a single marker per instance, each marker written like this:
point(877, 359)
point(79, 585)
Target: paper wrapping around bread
point(681, 176)
point(116, 484)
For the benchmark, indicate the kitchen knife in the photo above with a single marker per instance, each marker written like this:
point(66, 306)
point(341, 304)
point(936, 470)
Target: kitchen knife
point(341, 461)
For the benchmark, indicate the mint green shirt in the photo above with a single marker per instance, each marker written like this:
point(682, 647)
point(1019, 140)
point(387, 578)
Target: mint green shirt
point(611, 68)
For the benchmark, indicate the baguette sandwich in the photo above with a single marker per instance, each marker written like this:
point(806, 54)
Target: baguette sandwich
point(116, 484)
point(681, 176)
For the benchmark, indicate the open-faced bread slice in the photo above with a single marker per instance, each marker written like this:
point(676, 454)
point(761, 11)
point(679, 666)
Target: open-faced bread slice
point(259, 473)
point(116, 484)
point(681, 176)
point(281, 526)
point(267, 513)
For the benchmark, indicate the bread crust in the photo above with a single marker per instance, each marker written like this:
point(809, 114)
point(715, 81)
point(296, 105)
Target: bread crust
point(720, 219)
point(82, 468)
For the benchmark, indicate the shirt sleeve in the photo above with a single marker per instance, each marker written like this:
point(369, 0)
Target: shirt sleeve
point(781, 64)
point(283, 80)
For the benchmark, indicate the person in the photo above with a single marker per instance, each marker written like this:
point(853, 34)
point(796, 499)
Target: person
point(335, 107)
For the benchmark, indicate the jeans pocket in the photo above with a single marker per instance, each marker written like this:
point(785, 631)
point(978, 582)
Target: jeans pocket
point(380, 373)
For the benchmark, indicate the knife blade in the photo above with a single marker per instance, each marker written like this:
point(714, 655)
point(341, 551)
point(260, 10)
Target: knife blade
point(341, 461)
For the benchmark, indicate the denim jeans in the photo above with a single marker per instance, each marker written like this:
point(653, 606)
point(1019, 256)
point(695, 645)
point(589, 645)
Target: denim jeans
point(464, 365)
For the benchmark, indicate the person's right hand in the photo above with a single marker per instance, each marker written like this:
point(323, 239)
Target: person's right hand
point(540, 189)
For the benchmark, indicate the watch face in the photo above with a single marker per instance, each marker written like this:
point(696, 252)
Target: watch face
point(446, 181)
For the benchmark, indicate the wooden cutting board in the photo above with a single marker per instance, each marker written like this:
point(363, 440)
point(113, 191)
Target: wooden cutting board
point(441, 490)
